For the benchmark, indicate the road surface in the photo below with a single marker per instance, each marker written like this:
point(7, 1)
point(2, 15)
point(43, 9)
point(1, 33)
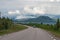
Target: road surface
point(28, 34)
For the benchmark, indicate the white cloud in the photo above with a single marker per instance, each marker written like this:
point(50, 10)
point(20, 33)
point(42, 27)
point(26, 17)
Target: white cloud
point(55, 0)
point(24, 17)
point(14, 12)
point(34, 10)
point(58, 0)
point(17, 11)
point(52, 0)
point(38, 10)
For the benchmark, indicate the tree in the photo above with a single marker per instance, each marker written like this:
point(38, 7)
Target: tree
point(57, 24)
point(6, 23)
point(41, 23)
point(0, 14)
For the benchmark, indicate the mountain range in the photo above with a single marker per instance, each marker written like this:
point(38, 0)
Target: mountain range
point(43, 19)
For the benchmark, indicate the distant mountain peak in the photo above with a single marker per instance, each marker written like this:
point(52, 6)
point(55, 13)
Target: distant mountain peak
point(43, 19)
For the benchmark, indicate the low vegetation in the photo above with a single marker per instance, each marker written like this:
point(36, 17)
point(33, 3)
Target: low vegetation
point(7, 26)
point(53, 28)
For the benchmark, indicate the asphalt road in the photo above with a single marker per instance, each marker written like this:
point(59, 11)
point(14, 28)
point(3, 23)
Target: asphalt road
point(28, 34)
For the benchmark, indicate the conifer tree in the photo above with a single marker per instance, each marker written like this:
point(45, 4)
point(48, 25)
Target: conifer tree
point(58, 24)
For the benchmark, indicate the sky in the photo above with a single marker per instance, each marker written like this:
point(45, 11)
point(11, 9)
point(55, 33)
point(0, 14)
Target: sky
point(29, 8)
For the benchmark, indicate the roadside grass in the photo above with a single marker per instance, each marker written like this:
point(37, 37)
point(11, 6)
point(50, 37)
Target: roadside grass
point(51, 30)
point(56, 33)
point(13, 29)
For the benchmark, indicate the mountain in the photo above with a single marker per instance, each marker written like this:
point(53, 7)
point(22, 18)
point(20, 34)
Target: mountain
point(43, 19)
point(53, 16)
point(57, 16)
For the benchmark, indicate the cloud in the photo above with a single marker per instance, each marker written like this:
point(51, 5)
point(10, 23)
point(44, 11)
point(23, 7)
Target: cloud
point(34, 10)
point(30, 7)
point(13, 12)
point(24, 17)
point(58, 0)
point(52, 0)
point(55, 0)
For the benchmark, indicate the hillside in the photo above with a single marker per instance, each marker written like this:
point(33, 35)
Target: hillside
point(43, 19)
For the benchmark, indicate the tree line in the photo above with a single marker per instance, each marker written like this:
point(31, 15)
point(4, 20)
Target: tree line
point(55, 26)
point(5, 23)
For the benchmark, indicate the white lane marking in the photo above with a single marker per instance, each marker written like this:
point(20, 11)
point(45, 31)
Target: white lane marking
point(51, 37)
point(54, 39)
point(0, 36)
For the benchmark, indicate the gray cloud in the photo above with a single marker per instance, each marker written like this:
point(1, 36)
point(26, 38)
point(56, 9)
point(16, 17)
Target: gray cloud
point(49, 6)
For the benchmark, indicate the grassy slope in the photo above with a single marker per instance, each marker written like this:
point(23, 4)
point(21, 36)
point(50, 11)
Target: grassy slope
point(15, 29)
